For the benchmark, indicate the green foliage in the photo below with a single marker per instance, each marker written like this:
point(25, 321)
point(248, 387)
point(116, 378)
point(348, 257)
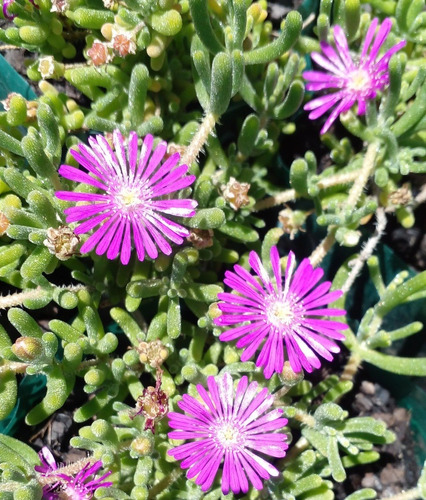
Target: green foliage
point(220, 73)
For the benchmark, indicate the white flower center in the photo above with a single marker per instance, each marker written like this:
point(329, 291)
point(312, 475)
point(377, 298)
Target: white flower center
point(280, 313)
point(229, 435)
point(128, 197)
point(359, 80)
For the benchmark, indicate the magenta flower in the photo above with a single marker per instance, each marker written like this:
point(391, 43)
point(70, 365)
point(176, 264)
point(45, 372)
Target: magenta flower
point(231, 427)
point(81, 487)
point(6, 4)
point(280, 314)
point(78, 487)
point(136, 195)
point(358, 81)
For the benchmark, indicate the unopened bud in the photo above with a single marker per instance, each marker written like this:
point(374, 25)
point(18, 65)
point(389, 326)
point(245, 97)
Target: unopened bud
point(152, 353)
point(235, 193)
point(27, 348)
point(62, 242)
point(143, 446)
point(289, 377)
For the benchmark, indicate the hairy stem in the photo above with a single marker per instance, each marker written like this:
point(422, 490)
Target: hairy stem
point(363, 176)
point(367, 251)
point(351, 367)
point(354, 194)
point(321, 250)
point(199, 139)
point(273, 201)
point(13, 366)
point(17, 299)
point(164, 483)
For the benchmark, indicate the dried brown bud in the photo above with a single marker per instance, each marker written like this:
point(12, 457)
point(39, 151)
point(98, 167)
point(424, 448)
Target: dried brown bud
point(27, 348)
point(124, 44)
point(99, 53)
point(235, 193)
point(292, 221)
point(402, 196)
point(62, 242)
point(4, 223)
point(201, 238)
point(153, 405)
point(152, 353)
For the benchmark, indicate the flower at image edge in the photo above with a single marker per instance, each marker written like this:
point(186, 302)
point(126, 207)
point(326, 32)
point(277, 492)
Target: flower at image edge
point(232, 426)
point(78, 487)
point(358, 81)
point(135, 200)
point(281, 314)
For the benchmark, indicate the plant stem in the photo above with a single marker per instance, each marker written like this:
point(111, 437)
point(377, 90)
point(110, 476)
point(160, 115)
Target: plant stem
point(354, 194)
point(338, 179)
point(273, 201)
point(351, 367)
point(321, 250)
point(17, 299)
point(164, 483)
point(295, 450)
point(363, 176)
point(199, 139)
point(367, 251)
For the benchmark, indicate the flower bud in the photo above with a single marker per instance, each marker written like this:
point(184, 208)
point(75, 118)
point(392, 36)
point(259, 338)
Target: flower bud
point(289, 377)
point(152, 353)
point(143, 446)
point(28, 348)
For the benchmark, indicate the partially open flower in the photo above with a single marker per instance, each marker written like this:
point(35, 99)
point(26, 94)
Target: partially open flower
point(62, 242)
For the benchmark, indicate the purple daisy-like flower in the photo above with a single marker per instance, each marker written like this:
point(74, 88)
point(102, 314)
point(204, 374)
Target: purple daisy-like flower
point(358, 81)
point(229, 427)
point(136, 198)
point(78, 487)
point(6, 4)
point(281, 314)
point(81, 486)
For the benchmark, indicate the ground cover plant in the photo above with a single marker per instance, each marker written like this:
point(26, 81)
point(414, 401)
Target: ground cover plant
point(191, 215)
